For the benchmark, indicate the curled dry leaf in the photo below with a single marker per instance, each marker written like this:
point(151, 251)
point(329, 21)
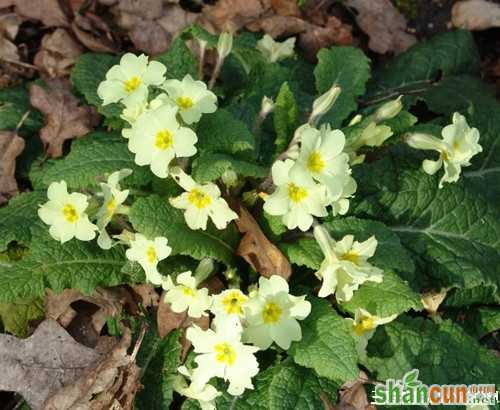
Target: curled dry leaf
point(432, 300)
point(231, 15)
point(58, 54)
point(168, 321)
point(65, 118)
point(475, 14)
point(11, 145)
point(94, 33)
point(9, 26)
point(147, 294)
point(384, 24)
point(49, 12)
point(353, 395)
point(258, 251)
point(110, 384)
point(43, 363)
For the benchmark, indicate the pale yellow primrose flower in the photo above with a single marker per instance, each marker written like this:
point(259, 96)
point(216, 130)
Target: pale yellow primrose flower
point(274, 51)
point(65, 213)
point(456, 149)
point(133, 75)
point(114, 198)
point(346, 265)
point(201, 202)
point(186, 296)
point(191, 97)
point(297, 197)
point(221, 353)
point(231, 302)
point(157, 138)
point(321, 156)
point(363, 327)
point(138, 104)
point(272, 315)
point(148, 253)
point(205, 395)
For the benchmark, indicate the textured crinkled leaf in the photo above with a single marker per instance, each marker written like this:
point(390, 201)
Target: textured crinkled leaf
point(159, 360)
point(443, 353)
point(153, 216)
point(222, 132)
point(210, 166)
point(17, 217)
point(347, 67)
point(179, 60)
point(89, 71)
point(327, 345)
point(14, 103)
point(76, 264)
point(303, 252)
point(16, 316)
point(90, 159)
point(285, 117)
point(482, 321)
point(392, 296)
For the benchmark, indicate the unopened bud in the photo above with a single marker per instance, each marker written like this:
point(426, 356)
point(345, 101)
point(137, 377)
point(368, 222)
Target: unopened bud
point(230, 178)
point(204, 269)
point(355, 120)
point(224, 45)
point(388, 110)
point(324, 103)
point(266, 106)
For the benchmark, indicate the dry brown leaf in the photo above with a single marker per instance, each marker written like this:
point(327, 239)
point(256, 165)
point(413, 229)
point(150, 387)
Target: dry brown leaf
point(432, 300)
point(94, 33)
point(384, 24)
point(258, 251)
point(11, 145)
point(49, 12)
point(353, 395)
point(174, 19)
point(286, 7)
point(146, 9)
point(65, 118)
point(475, 14)
point(148, 295)
point(278, 26)
point(110, 384)
point(9, 26)
point(58, 53)
point(43, 363)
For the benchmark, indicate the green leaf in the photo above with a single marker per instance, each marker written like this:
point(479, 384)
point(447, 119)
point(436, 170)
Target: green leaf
point(327, 345)
point(443, 353)
point(17, 315)
point(18, 216)
point(285, 117)
point(179, 60)
point(76, 264)
point(482, 321)
point(303, 252)
point(347, 67)
point(89, 71)
point(392, 296)
point(159, 359)
point(14, 103)
point(90, 159)
point(153, 216)
point(424, 65)
point(222, 132)
point(211, 166)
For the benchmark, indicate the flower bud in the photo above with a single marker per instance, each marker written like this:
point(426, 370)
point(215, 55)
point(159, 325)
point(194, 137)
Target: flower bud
point(355, 120)
point(420, 140)
point(224, 45)
point(204, 269)
point(388, 110)
point(230, 178)
point(266, 106)
point(324, 103)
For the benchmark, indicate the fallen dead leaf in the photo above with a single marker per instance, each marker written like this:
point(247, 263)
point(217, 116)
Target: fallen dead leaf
point(475, 14)
point(9, 26)
point(112, 383)
point(279, 26)
point(43, 363)
point(384, 24)
point(11, 146)
point(286, 7)
point(231, 15)
point(257, 250)
point(148, 295)
point(353, 395)
point(58, 53)
point(49, 12)
point(432, 300)
point(94, 33)
point(65, 118)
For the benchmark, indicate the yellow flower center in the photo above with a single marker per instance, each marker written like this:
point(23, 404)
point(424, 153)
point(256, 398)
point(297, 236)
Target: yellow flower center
point(70, 213)
point(364, 325)
point(188, 291)
point(164, 140)
point(132, 84)
point(233, 303)
point(224, 353)
point(445, 156)
point(271, 313)
point(184, 103)
point(111, 206)
point(296, 193)
point(199, 199)
point(351, 256)
point(315, 163)
point(151, 255)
